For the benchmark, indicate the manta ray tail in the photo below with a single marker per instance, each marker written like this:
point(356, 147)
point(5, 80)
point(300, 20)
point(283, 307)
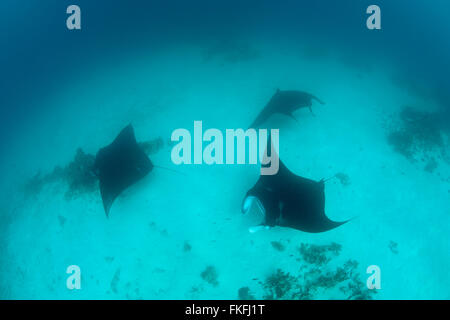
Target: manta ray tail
point(327, 179)
point(317, 99)
point(293, 117)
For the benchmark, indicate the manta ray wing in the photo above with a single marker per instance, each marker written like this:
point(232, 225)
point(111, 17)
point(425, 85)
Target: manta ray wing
point(285, 102)
point(292, 201)
point(120, 165)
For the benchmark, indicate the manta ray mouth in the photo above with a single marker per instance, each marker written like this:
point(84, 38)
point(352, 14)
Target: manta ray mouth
point(248, 202)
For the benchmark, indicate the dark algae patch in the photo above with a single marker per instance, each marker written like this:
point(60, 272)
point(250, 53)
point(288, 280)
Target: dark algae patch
point(187, 247)
point(210, 275)
point(393, 246)
point(79, 174)
point(431, 165)
point(152, 146)
point(343, 178)
point(316, 277)
point(319, 254)
point(115, 281)
point(245, 294)
point(61, 220)
point(278, 285)
point(418, 136)
point(34, 185)
point(278, 245)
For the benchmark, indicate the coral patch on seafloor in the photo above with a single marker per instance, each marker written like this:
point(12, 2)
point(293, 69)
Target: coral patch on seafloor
point(152, 146)
point(245, 294)
point(79, 174)
point(319, 254)
point(210, 275)
point(418, 136)
point(277, 245)
point(343, 178)
point(316, 278)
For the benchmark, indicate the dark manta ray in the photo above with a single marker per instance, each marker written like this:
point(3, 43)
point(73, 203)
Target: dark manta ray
point(289, 200)
point(120, 165)
point(285, 102)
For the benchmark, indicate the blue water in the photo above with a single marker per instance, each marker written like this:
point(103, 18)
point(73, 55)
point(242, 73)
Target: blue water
point(160, 65)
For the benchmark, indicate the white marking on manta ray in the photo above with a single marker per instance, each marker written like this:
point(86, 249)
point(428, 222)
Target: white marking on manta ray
point(248, 202)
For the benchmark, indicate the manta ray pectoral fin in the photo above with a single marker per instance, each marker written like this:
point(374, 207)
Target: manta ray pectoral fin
point(290, 114)
point(106, 199)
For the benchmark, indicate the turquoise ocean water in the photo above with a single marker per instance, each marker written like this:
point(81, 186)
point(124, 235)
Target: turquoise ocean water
point(161, 65)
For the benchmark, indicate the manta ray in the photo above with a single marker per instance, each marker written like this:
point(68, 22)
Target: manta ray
point(120, 165)
point(285, 102)
point(288, 200)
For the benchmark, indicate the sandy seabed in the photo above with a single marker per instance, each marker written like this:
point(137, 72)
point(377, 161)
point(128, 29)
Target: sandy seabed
point(165, 231)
